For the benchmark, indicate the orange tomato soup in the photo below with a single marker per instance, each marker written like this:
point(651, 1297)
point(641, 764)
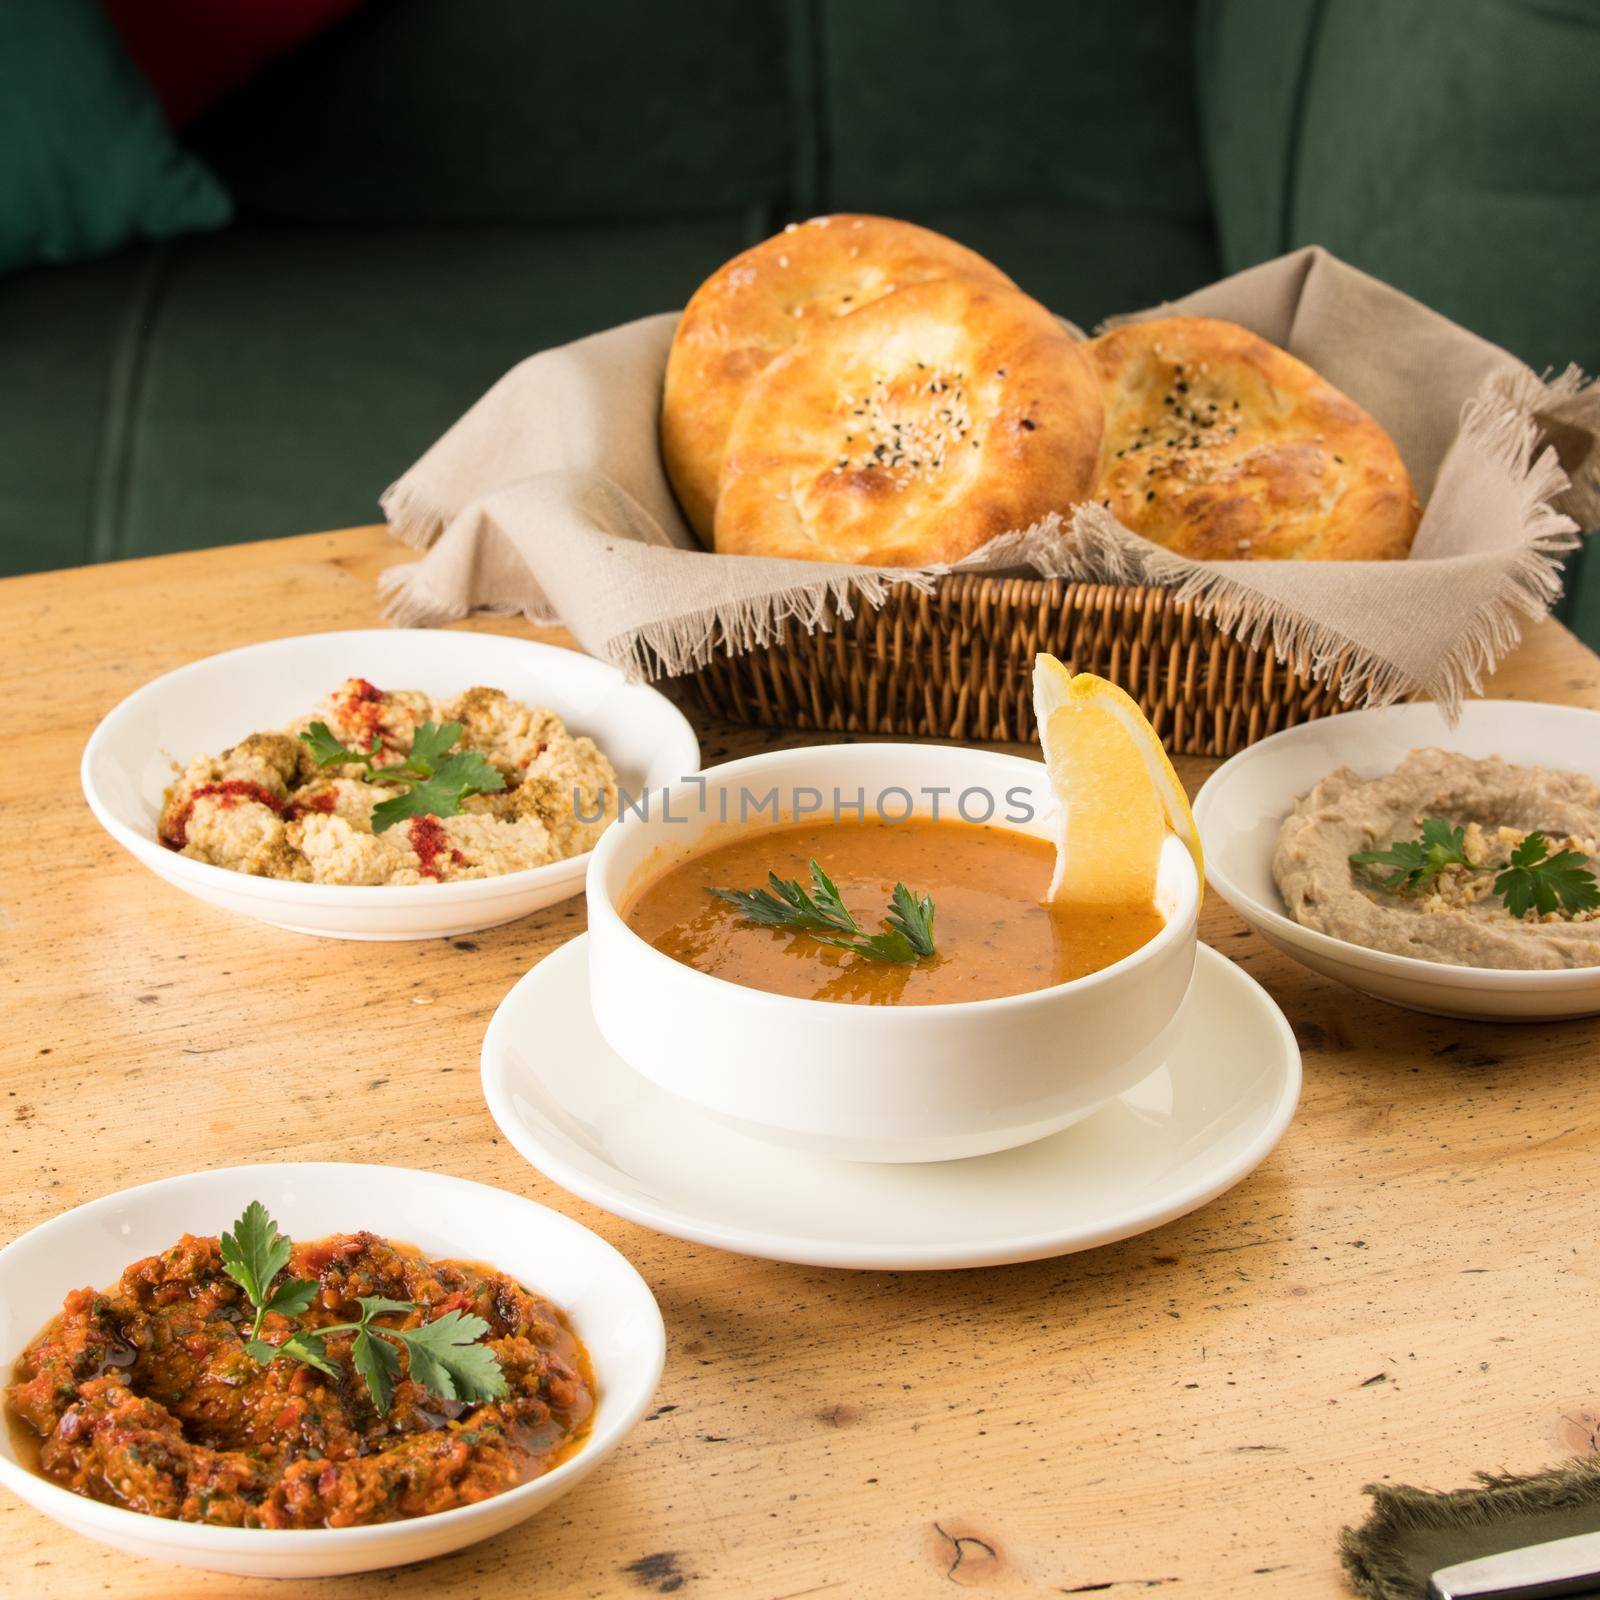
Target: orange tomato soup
point(993, 933)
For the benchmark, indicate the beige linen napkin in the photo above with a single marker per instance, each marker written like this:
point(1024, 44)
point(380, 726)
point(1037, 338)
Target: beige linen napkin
point(549, 497)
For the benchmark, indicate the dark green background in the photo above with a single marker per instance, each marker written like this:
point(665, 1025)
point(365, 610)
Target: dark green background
point(435, 189)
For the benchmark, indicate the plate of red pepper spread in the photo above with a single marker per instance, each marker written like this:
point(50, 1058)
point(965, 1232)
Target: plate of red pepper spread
point(144, 1396)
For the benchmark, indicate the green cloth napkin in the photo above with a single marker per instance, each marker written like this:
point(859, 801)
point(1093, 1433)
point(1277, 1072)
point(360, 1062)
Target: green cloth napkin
point(1411, 1533)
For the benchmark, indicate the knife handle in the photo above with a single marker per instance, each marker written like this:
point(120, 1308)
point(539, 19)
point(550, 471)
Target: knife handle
point(1558, 1568)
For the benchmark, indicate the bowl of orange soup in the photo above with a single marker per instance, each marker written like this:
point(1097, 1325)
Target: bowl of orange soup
point(921, 999)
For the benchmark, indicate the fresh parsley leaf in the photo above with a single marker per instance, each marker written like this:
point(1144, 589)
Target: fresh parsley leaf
point(448, 1361)
point(378, 1362)
point(292, 1297)
point(890, 946)
point(429, 745)
point(310, 1350)
point(445, 1355)
point(789, 904)
point(469, 772)
point(821, 912)
point(911, 915)
point(1417, 862)
point(255, 1252)
point(433, 782)
point(423, 801)
point(326, 751)
point(1538, 881)
point(253, 1255)
point(374, 1305)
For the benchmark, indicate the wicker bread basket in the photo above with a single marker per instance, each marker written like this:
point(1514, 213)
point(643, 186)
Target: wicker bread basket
point(957, 664)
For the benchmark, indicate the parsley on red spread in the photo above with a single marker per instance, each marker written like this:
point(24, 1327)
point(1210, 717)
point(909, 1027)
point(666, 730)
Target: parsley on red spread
point(145, 1396)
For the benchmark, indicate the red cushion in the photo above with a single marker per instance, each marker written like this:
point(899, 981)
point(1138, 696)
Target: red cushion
point(196, 51)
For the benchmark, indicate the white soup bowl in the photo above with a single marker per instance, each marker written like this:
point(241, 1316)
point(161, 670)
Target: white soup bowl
point(877, 1082)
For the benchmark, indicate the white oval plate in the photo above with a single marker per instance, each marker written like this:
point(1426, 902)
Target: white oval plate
point(1243, 803)
point(1192, 1129)
point(211, 704)
point(607, 1302)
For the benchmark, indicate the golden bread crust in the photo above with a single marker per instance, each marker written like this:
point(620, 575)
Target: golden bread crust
point(912, 432)
point(756, 306)
point(1221, 446)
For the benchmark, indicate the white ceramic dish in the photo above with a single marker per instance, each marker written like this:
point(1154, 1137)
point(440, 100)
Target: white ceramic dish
point(211, 704)
point(1244, 802)
point(1194, 1127)
point(877, 1083)
point(607, 1302)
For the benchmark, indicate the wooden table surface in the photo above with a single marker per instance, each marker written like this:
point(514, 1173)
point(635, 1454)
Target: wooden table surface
point(1408, 1288)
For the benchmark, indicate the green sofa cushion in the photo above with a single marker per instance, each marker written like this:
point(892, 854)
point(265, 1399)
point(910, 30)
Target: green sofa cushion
point(71, 338)
point(947, 103)
point(1447, 149)
point(86, 161)
point(1250, 67)
point(1441, 147)
point(418, 111)
point(288, 375)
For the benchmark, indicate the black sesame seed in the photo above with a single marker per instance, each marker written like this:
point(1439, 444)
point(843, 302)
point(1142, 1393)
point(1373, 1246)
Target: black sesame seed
point(1030, 425)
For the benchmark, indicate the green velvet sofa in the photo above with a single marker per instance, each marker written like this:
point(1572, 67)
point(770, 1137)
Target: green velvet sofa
point(434, 189)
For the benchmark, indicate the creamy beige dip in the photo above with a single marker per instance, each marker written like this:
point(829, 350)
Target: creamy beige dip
point(264, 807)
point(1458, 919)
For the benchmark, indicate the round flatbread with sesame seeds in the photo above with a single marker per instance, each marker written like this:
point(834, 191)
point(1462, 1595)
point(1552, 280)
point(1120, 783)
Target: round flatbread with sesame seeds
point(757, 306)
point(1220, 446)
point(912, 432)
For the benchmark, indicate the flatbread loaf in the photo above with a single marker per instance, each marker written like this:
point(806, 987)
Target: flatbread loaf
point(912, 432)
point(759, 304)
point(1221, 446)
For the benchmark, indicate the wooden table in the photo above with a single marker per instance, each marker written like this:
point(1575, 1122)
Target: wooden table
point(1407, 1288)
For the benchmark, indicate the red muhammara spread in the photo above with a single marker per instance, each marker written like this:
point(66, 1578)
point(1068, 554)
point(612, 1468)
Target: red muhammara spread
point(144, 1396)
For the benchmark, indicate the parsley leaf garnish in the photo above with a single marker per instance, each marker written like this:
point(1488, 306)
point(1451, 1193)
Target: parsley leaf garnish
point(435, 781)
point(1537, 880)
point(819, 911)
point(1417, 862)
point(912, 915)
point(790, 905)
point(445, 1355)
point(447, 1359)
point(253, 1255)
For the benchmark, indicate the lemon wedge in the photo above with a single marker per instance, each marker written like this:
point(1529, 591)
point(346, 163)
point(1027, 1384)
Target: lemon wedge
point(1117, 797)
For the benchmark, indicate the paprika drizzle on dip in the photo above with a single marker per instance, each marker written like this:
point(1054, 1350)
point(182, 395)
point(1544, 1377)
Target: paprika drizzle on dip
point(144, 1396)
point(995, 934)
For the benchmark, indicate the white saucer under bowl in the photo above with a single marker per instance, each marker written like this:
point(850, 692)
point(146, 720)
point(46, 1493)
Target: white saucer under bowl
point(1192, 1129)
point(1241, 807)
